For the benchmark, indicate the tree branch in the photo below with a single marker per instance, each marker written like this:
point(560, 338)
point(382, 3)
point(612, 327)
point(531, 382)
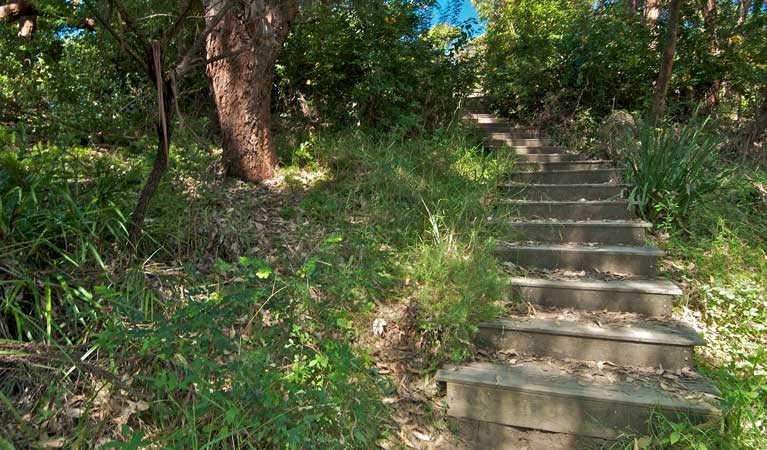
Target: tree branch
point(104, 22)
point(16, 10)
point(132, 25)
point(187, 62)
point(176, 27)
point(202, 62)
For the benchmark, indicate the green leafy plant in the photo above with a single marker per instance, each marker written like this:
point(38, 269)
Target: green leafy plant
point(458, 285)
point(671, 170)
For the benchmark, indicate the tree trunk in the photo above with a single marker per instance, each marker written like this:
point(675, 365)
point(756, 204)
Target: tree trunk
point(710, 24)
point(242, 82)
point(667, 62)
point(165, 101)
point(710, 16)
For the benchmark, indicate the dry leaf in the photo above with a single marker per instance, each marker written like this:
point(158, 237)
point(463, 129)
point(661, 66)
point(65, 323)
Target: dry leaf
point(379, 327)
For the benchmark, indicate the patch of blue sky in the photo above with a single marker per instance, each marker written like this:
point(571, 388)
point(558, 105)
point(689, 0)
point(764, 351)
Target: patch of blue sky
point(466, 13)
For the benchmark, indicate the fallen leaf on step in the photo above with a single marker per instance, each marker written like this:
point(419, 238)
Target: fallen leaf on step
point(602, 364)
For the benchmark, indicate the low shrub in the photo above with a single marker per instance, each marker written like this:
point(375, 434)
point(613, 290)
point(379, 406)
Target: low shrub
point(671, 170)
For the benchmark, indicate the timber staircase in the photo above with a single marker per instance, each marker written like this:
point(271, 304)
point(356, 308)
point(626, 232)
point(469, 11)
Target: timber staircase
point(593, 353)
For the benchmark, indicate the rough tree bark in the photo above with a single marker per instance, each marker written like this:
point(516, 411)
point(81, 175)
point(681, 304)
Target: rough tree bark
point(242, 83)
point(667, 62)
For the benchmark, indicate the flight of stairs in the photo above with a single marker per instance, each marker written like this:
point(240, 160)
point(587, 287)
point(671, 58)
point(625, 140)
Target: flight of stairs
point(593, 352)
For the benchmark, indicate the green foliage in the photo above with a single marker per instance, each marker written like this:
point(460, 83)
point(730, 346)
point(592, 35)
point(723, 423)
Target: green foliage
point(722, 260)
point(546, 59)
point(372, 64)
point(216, 375)
point(53, 231)
point(68, 88)
point(670, 170)
point(458, 286)
point(522, 46)
point(423, 200)
point(257, 350)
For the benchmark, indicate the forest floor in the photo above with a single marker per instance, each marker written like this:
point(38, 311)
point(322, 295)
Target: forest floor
point(310, 311)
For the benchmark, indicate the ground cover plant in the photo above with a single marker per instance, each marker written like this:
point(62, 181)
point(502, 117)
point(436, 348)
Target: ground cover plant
point(239, 329)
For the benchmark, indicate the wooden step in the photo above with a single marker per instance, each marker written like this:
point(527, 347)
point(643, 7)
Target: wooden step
point(489, 122)
point(538, 149)
point(598, 191)
point(624, 341)
point(512, 135)
point(476, 102)
point(648, 297)
point(570, 210)
point(480, 117)
point(514, 142)
point(480, 435)
point(564, 165)
point(491, 125)
point(640, 261)
point(547, 397)
point(546, 158)
point(592, 176)
point(627, 232)
point(541, 150)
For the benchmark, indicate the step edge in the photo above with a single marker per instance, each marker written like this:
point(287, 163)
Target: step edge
point(568, 186)
point(597, 285)
point(564, 202)
point(585, 224)
point(677, 405)
point(582, 161)
point(570, 172)
point(602, 249)
point(548, 326)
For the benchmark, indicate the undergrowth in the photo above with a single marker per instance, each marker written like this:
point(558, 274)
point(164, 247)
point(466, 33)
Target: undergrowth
point(242, 319)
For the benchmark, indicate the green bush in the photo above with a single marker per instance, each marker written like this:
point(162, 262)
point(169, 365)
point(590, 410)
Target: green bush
point(671, 170)
point(373, 64)
point(458, 285)
point(54, 230)
point(551, 58)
